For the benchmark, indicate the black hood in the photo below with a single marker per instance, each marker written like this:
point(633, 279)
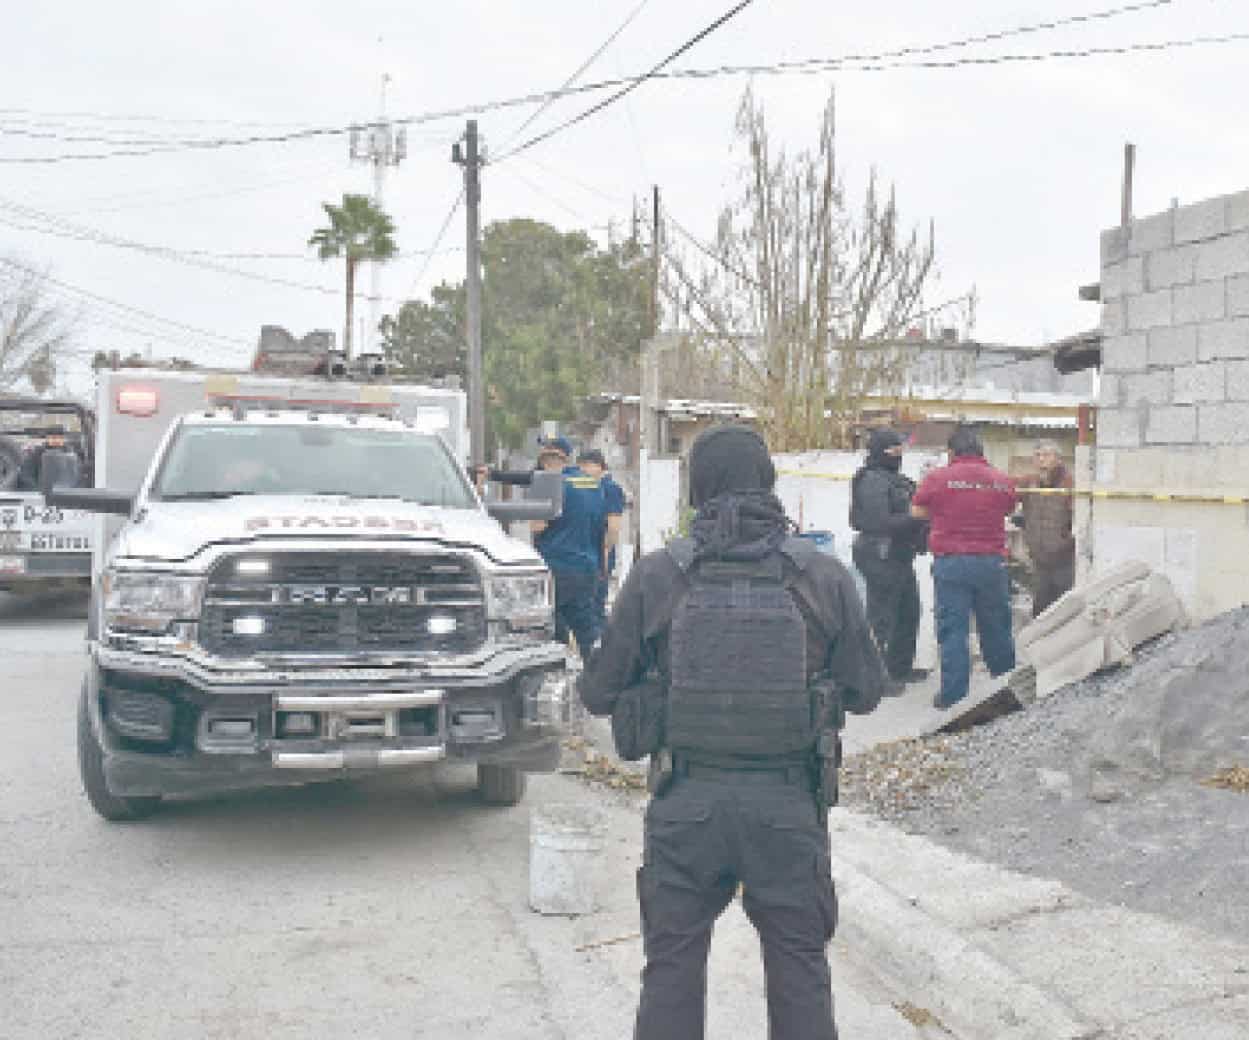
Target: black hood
point(729, 458)
point(877, 443)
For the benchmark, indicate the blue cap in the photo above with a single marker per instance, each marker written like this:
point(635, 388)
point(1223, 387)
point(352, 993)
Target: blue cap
point(560, 444)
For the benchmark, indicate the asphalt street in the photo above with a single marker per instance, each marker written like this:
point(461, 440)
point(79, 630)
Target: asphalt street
point(389, 907)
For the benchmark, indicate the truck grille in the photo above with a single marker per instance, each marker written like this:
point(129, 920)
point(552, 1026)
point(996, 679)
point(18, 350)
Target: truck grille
point(343, 603)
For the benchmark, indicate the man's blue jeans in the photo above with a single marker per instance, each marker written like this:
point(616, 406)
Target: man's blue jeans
point(965, 585)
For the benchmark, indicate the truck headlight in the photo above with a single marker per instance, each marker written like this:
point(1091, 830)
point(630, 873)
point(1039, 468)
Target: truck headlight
point(520, 600)
point(149, 601)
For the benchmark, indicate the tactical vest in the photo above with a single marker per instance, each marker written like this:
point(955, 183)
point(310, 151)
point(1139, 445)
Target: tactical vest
point(738, 683)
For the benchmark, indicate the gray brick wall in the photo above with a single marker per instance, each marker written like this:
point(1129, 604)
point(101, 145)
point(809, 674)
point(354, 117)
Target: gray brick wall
point(1175, 326)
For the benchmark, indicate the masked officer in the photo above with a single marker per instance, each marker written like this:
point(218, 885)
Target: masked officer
point(884, 551)
point(754, 641)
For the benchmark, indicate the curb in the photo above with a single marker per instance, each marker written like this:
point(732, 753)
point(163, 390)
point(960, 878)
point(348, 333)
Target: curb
point(930, 963)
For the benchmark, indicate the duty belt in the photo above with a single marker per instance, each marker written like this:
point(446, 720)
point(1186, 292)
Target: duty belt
point(778, 774)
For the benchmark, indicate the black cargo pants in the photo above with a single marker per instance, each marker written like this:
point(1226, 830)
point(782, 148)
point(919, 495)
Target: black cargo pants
point(893, 607)
point(703, 838)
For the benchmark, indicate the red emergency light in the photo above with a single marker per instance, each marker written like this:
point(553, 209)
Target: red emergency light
point(140, 401)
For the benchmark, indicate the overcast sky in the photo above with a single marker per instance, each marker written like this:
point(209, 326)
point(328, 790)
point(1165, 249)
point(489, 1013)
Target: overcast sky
point(1018, 165)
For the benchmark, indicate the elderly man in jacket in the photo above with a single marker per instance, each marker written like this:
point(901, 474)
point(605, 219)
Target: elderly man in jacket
point(1046, 517)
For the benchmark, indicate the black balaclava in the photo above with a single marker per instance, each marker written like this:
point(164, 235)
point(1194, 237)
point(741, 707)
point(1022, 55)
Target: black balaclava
point(728, 458)
point(877, 443)
point(731, 481)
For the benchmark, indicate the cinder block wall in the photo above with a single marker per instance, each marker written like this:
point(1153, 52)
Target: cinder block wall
point(1173, 409)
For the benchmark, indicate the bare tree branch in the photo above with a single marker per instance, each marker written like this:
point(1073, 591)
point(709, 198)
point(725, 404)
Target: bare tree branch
point(35, 328)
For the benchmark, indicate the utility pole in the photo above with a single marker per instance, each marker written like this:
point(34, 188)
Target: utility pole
point(1129, 167)
point(383, 148)
point(648, 401)
point(655, 240)
point(471, 158)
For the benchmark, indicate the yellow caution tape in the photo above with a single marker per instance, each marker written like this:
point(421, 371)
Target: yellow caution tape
point(1104, 493)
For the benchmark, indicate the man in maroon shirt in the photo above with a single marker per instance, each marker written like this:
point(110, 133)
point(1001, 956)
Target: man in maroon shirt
point(967, 503)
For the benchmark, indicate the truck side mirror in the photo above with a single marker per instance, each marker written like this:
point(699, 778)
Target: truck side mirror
point(544, 500)
point(59, 473)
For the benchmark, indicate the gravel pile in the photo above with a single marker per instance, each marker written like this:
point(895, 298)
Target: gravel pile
point(1017, 792)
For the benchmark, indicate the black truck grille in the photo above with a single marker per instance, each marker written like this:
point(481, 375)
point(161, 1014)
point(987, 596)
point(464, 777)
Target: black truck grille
point(342, 603)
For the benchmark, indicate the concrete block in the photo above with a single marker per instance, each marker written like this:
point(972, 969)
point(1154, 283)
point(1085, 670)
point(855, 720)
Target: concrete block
point(1111, 390)
point(1124, 353)
point(1119, 427)
point(1125, 278)
point(1203, 383)
point(1115, 317)
point(1151, 233)
point(1153, 387)
point(1174, 424)
point(1169, 267)
point(1114, 246)
point(1149, 310)
point(1201, 220)
point(1223, 257)
point(1238, 296)
point(1238, 211)
point(1203, 301)
point(1171, 346)
point(1223, 339)
point(1236, 385)
point(1226, 423)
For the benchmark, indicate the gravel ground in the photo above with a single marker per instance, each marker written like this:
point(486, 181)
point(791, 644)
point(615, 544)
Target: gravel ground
point(1015, 792)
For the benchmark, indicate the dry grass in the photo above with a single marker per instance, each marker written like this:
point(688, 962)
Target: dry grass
point(918, 1017)
point(1234, 779)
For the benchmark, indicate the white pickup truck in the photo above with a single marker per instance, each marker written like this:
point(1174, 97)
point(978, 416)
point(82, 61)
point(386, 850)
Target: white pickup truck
point(294, 578)
point(42, 546)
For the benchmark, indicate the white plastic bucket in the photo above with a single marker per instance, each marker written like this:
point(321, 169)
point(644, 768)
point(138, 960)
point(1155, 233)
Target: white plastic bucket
point(565, 842)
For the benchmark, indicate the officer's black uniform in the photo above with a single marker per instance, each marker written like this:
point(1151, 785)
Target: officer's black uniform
point(749, 815)
point(884, 551)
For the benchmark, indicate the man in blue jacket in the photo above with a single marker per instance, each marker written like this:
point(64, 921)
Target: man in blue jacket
point(593, 464)
point(571, 545)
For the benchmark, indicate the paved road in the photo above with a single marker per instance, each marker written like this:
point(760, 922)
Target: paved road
point(386, 908)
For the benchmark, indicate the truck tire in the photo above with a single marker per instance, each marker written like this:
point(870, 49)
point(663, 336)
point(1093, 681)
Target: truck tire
point(91, 766)
point(10, 463)
point(500, 785)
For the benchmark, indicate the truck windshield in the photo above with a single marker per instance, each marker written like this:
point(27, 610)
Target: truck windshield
point(212, 461)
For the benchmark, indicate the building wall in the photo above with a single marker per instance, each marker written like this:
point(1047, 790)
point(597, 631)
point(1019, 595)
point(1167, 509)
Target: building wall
point(1173, 410)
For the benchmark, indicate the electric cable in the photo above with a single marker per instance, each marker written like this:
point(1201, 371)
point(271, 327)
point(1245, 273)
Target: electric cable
point(852, 63)
point(48, 224)
point(630, 86)
point(433, 250)
point(123, 307)
point(577, 75)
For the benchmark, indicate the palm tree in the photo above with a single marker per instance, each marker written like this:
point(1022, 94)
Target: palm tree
point(358, 231)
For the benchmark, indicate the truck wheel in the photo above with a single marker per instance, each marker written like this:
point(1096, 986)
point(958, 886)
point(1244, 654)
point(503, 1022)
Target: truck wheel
point(500, 785)
point(10, 463)
point(91, 767)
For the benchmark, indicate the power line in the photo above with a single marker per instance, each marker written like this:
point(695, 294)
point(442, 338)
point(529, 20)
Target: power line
point(49, 224)
point(577, 75)
point(809, 67)
point(127, 308)
point(633, 84)
point(433, 250)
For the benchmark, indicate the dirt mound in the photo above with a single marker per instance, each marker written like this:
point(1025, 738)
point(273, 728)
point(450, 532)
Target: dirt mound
point(1163, 826)
point(1187, 714)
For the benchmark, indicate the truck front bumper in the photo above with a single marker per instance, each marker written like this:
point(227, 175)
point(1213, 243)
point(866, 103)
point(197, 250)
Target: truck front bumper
point(168, 727)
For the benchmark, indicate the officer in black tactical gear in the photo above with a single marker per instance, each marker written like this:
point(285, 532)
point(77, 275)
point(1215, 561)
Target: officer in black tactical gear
point(884, 552)
point(729, 658)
